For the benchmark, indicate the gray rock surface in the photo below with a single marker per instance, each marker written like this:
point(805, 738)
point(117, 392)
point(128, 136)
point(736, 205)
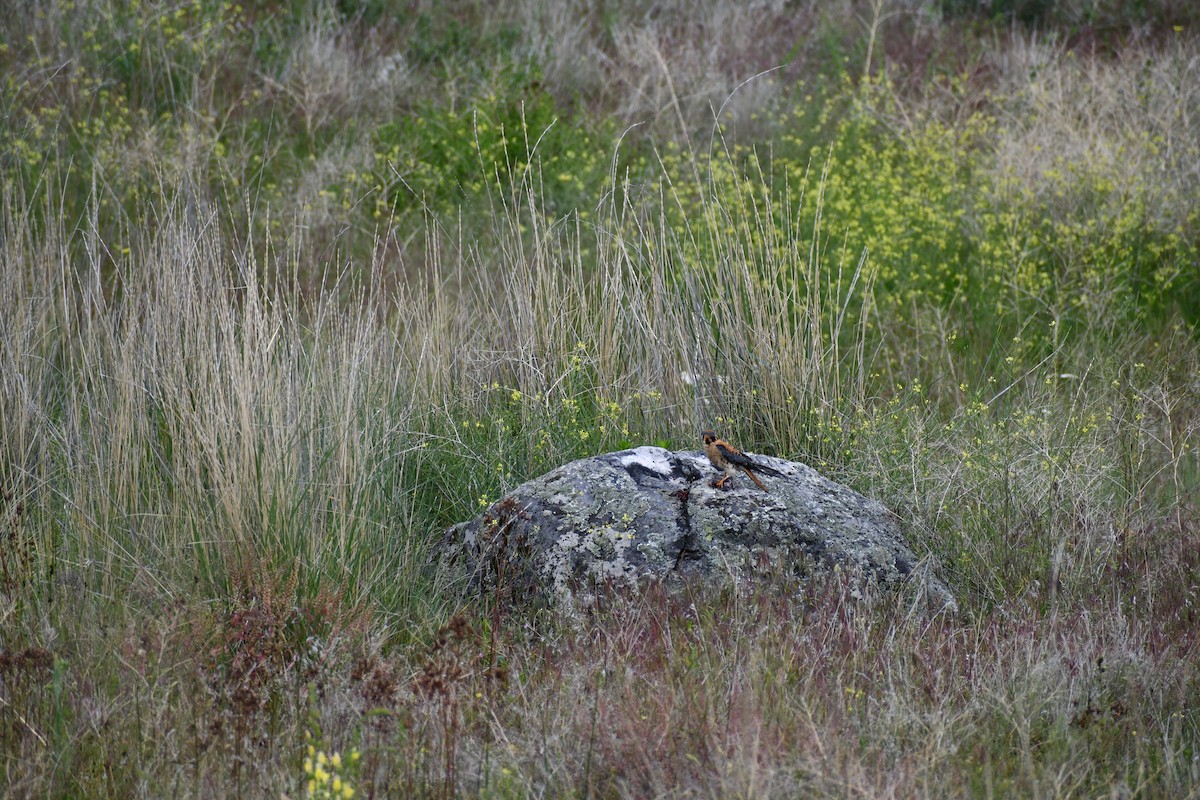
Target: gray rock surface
point(620, 519)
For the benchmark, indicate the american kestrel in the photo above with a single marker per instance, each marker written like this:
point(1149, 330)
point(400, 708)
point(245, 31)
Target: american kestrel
point(729, 459)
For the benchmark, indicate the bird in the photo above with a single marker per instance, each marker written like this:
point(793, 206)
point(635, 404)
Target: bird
point(728, 459)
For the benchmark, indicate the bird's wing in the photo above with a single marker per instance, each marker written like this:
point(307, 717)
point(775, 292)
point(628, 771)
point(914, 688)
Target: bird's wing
point(743, 460)
point(733, 454)
point(764, 469)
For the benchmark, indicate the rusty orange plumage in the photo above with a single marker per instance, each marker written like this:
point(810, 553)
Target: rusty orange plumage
point(729, 459)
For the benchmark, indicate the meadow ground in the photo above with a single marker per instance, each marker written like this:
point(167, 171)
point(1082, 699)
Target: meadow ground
point(288, 288)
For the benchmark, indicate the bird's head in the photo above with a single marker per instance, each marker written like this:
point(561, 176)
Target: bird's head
point(708, 437)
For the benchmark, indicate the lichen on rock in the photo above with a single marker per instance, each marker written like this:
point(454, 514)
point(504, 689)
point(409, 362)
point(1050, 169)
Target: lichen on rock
point(618, 520)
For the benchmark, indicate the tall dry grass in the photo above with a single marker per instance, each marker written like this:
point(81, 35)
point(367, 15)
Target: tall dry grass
point(188, 429)
point(177, 405)
point(228, 452)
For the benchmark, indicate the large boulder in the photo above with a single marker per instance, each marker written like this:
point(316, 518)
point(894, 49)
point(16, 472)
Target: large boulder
point(621, 519)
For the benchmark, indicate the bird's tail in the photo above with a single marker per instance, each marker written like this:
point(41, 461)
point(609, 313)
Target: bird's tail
point(754, 478)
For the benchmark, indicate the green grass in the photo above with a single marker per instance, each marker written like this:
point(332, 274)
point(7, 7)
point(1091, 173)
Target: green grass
point(288, 289)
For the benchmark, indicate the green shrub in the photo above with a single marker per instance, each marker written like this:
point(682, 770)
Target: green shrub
point(441, 157)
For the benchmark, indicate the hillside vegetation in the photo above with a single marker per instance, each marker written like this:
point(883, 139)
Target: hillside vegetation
point(287, 288)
